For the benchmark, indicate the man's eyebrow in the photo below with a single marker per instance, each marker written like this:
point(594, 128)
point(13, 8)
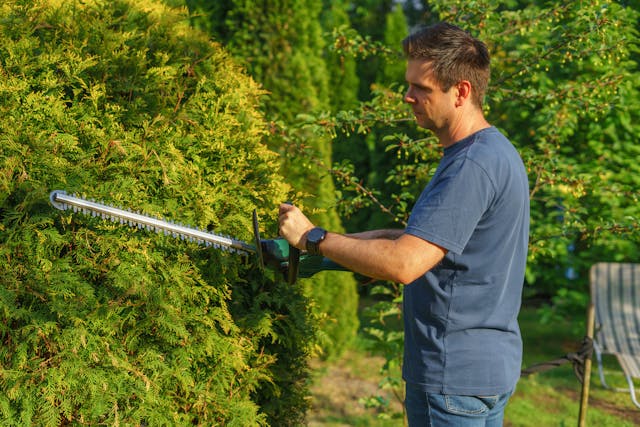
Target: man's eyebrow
point(418, 85)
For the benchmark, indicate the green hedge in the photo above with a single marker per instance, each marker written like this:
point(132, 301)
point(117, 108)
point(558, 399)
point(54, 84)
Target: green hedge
point(123, 102)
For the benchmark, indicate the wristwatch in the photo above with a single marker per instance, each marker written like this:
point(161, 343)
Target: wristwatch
point(314, 237)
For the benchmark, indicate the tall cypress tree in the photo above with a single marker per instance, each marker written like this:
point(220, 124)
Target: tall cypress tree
point(281, 44)
point(384, 23)
point(345, 83)
point(343, 76)
point(395, 30)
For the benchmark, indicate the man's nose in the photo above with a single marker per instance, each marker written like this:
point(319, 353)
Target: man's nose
point(409, 98)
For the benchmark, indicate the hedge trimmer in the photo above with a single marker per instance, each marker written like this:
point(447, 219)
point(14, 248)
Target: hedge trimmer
point(272, 253)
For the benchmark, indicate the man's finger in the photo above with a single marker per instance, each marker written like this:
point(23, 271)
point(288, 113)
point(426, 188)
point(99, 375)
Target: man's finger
point(286, 207)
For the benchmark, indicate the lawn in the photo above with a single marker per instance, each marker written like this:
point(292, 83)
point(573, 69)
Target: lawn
point(343, 389)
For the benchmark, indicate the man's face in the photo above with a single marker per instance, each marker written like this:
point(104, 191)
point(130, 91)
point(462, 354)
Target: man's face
point(432, 107)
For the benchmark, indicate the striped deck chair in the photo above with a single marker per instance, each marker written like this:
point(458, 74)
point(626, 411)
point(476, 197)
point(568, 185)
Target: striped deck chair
point(615, 292)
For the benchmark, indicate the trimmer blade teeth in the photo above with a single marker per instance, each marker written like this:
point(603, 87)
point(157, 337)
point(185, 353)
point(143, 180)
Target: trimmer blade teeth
point(60, 200)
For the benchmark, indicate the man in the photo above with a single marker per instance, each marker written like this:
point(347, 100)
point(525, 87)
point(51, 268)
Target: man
point(463, 252)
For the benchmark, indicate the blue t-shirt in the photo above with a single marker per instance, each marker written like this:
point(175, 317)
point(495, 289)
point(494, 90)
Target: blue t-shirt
point(461, 329)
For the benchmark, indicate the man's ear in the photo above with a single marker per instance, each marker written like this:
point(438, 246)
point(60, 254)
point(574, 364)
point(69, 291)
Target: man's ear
point(463, 89)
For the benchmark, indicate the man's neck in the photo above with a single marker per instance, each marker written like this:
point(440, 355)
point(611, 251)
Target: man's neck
point(462, 128)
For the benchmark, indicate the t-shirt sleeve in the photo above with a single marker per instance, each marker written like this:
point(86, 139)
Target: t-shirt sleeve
point(451, 206)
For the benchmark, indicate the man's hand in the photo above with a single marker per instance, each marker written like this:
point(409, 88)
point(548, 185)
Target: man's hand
point(294, 225)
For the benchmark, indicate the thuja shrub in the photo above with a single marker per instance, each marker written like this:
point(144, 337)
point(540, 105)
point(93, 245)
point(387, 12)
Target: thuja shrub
point(101, 324)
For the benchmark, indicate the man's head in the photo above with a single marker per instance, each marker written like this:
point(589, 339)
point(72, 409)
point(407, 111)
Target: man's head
point(454, 56)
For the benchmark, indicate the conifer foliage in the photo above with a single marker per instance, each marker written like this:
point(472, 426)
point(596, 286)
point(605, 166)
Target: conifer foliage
point(122, 101)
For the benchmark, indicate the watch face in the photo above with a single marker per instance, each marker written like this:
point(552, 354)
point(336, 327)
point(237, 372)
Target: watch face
point(316, 235)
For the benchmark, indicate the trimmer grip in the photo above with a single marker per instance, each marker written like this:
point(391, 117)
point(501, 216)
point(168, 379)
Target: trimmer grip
point(294, 265)
point(294, 262)
point(312, 264)
point(257, 241)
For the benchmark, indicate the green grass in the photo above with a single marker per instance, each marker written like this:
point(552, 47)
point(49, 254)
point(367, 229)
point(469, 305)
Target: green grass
point(553, 397)
point(550, 398)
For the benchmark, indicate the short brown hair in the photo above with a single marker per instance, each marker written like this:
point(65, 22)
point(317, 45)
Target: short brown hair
point(455, 56)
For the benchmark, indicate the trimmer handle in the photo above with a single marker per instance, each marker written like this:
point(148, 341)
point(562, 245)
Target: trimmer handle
point(274, 252)
point(279, 255)
point(257, 241)
point(294, 262)
point(294, 265)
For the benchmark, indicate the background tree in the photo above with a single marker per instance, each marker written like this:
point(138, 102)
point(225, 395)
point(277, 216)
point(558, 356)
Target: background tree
point(123, 102)
point(281, 43)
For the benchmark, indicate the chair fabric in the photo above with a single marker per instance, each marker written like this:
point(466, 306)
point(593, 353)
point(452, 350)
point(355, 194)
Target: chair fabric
point(615, 292)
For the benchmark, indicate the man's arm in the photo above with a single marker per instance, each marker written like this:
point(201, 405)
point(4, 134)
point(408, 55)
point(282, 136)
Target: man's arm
point(397, 257)
point(390, 233)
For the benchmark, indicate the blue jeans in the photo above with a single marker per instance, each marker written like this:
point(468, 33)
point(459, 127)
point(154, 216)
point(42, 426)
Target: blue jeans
point(439, 410)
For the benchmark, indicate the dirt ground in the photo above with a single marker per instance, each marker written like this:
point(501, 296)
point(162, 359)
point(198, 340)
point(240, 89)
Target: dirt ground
point(627, 415)
point(337, 390)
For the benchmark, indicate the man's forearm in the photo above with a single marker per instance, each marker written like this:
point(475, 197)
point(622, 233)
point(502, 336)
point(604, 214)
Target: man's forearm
point(401, 259)
point(363, 253)
point(390, 233)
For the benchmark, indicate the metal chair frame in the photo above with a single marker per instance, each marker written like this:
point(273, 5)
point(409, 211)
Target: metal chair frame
point(615, 292)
